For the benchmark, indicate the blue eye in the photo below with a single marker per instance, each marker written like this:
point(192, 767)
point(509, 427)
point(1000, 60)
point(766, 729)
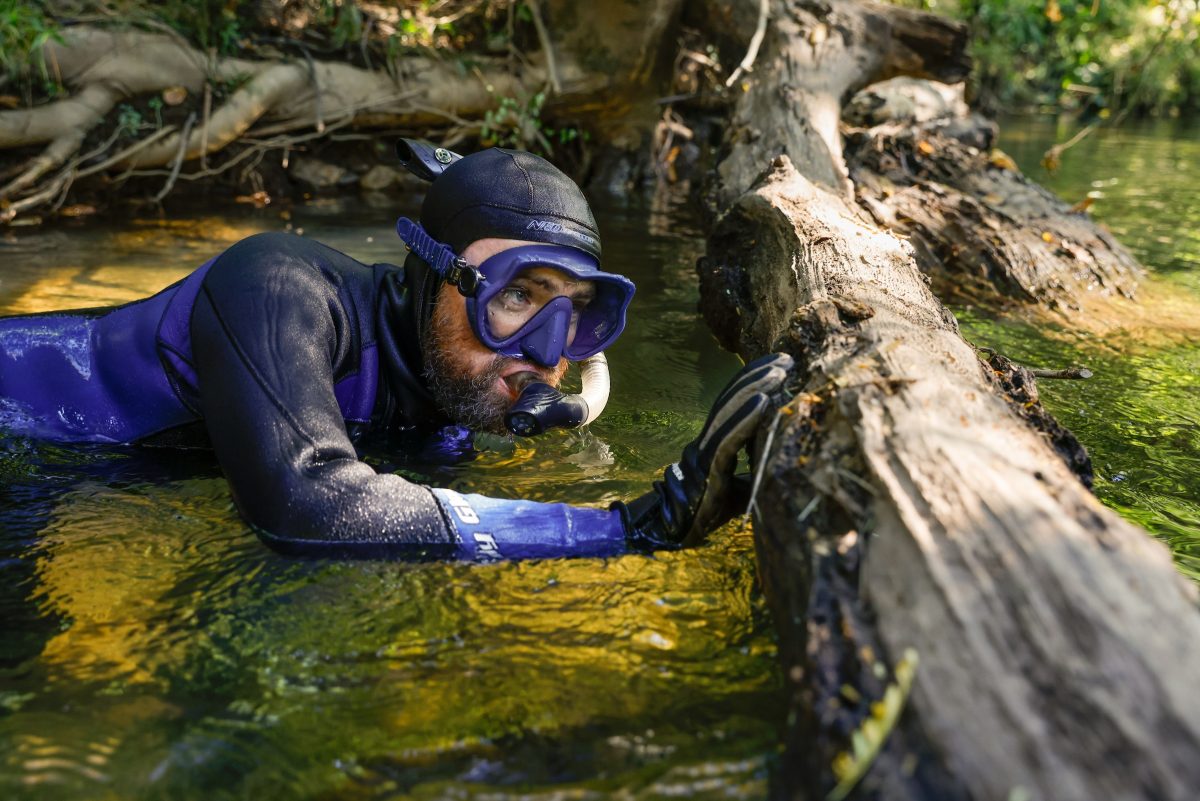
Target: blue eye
point(514, 296)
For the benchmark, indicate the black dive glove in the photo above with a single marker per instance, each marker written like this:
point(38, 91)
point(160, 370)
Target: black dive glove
point(697, 493)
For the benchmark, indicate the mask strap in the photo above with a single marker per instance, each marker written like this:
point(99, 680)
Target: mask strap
point(439, 256)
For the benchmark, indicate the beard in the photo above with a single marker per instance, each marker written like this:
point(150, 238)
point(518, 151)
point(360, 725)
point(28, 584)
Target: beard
point(470, 399)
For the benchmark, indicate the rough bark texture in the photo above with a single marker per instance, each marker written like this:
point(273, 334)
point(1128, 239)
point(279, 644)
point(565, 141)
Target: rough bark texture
point(908, 520)
point(872, 43)
point(977, 225)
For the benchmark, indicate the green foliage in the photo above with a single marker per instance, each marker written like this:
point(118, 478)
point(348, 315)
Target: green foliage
point(214, 24)
point(129, 120)
point(24, 29)
point(519, 124)
point(1110, 56)
point(347, 22)
point(155, 104)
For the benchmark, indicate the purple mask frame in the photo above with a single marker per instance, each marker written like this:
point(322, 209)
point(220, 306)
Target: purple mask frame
point(544, 337)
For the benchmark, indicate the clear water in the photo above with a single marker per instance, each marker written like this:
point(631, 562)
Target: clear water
point(1139, 416)
point(152, 648)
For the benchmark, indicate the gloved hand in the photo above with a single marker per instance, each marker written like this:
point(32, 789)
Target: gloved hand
point(697, 493)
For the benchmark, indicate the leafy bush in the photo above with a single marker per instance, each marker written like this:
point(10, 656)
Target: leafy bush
point(1108, 56)
point(24, 28)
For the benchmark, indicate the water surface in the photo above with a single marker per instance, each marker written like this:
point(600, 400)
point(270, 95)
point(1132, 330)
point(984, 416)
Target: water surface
point(153, 648)
point(1139, 416)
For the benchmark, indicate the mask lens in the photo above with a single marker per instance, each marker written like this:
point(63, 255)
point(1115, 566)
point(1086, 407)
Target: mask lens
point(528, 292)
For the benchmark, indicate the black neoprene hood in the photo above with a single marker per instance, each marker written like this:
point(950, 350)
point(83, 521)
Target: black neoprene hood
point(508, 194)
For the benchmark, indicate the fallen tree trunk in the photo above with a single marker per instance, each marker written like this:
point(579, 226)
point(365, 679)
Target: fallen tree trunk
point(959, 617)
point(977, 225)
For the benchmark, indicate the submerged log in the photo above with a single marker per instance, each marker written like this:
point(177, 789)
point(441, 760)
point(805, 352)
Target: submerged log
point(977, 225)
point(959, 616)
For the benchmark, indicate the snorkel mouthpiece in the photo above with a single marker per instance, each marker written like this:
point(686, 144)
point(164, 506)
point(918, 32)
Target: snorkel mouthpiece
point(541, 406)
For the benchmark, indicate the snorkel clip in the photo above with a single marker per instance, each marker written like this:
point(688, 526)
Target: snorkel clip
point(467, 278)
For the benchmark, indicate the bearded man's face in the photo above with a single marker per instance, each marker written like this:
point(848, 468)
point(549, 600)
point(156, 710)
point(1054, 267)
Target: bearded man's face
point(472, 383)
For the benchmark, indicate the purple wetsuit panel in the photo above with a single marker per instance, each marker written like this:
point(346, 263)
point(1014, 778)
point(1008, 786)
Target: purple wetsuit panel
point(124, 374)
point(174, 338)
point(88, 377)
point(356, 393)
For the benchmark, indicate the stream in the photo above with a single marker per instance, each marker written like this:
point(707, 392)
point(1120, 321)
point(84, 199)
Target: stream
point(153, 648)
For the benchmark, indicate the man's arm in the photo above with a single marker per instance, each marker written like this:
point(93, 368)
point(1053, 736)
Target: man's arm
point(267, 331)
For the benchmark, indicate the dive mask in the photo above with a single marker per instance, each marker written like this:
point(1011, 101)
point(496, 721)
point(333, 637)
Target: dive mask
point(540, 302)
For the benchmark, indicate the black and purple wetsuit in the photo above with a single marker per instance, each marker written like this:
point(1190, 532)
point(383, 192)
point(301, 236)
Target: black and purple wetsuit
point(278, 353)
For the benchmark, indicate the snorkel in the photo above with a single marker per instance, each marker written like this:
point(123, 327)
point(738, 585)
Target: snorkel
point(513, 307)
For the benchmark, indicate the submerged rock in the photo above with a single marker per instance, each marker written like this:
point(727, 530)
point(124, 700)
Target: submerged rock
point(318, 174)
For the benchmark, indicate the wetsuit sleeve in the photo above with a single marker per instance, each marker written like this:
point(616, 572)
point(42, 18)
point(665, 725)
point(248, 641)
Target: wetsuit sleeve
point(267, 330)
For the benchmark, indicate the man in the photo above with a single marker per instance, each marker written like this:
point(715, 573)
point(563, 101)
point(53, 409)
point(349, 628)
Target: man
point(281, 352)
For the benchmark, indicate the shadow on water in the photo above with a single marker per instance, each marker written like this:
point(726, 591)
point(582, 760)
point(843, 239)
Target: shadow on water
point(153, 648)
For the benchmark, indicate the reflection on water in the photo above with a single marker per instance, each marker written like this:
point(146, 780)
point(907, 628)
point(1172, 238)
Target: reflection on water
point(153, 648)
point(1139, 416)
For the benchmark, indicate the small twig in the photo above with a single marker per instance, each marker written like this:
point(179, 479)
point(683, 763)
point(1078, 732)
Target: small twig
point(316, 82)
point(762, 462)
point(547, 47)
point(100, 149)
point(764, 11)
point(455, 17)
point(662, 101)
point(204, 123)
point(1076, 372)
point(844, 472)
point(51, 189)
point(1052, 158)
point(179, 157)
point(161, 133)
point(808, 509)
point(1070, 372)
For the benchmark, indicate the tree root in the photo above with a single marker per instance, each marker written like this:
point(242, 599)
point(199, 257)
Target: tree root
point(230, 121)
point(105, 67)
point(53, 156)
point(78, 114)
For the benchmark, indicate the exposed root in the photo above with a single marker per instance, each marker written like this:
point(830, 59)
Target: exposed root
point(105, 67)
point(53, 156)
point(179, 156)
point(35, 126)
point(270, 87)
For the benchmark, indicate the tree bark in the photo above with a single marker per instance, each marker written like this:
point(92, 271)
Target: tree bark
point(923, 549)
point(977, 225)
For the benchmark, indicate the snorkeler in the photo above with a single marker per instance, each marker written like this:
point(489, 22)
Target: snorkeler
point(281, 352)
